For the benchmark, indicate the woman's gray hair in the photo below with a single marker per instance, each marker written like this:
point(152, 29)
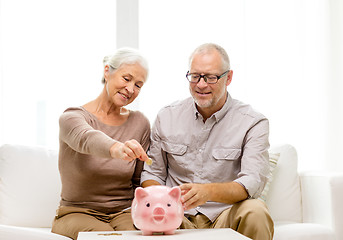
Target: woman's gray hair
point(125, 55)
point(207, 47)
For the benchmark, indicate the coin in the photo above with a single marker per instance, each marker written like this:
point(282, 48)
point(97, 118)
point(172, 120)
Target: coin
point(149, 161)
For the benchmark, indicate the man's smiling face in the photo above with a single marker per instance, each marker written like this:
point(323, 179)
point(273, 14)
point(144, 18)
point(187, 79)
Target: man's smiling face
point(209, 97)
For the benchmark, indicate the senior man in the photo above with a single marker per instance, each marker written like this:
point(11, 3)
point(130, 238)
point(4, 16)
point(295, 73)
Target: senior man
point(215, 148)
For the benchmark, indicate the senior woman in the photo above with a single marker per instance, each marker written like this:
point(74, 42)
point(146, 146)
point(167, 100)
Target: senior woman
point(102, 150)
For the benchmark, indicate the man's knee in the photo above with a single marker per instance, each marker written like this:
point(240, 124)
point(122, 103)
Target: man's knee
point(252, 210)
point(251, 217)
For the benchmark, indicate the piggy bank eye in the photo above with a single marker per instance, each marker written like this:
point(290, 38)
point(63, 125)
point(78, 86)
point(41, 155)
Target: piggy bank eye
point(168, 204)
point(148, 204)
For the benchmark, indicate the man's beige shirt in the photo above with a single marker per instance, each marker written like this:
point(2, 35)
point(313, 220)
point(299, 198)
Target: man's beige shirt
point(231, 145)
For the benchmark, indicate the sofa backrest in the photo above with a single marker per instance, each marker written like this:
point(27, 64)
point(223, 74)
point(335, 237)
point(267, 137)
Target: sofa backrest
point(29, 185)
point(284, 195)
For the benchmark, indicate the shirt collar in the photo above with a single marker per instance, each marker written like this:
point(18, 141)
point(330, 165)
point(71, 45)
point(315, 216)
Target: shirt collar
point(219, 114)
point(195, 110)
point(222, 112)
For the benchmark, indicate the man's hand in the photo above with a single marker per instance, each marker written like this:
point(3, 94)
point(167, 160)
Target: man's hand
point(128, 151)
point(194, 194)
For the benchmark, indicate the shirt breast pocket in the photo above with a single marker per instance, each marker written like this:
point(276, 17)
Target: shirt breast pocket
point(226, 163)
point(176, 154)
point(174, 148)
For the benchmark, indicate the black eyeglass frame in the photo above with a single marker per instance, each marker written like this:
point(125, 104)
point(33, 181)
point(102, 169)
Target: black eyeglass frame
point(204, 76)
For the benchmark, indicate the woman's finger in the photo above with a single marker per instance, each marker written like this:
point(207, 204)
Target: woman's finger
point(137, 150)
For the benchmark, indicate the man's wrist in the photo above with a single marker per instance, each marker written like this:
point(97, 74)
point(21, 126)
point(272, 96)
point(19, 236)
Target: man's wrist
point(148, 183)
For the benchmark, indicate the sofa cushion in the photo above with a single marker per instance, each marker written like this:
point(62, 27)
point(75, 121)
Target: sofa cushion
point(302, 231)
point(284, 196)
point(273, 159)
point(29, 185)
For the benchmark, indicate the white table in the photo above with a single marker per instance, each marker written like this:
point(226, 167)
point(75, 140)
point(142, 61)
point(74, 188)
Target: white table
point(183, 234)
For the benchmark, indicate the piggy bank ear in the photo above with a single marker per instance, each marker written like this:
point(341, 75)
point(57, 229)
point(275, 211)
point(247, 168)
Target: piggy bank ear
point(140, 193)
point(175, 193)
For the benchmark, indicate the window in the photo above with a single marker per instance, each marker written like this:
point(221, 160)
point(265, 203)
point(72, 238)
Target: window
point(51, 59)
point(278, 52)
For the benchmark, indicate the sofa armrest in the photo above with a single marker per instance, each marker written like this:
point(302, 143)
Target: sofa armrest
point(29, 185)
point(322, 197)
point(15, 233)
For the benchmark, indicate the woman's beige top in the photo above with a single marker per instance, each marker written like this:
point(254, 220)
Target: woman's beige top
point(90, 177)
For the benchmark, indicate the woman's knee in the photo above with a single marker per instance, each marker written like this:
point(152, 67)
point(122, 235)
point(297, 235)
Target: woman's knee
point(70, 225)
point(122, 221)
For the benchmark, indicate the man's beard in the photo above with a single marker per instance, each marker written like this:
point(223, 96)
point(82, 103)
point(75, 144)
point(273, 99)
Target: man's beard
point(204, 103)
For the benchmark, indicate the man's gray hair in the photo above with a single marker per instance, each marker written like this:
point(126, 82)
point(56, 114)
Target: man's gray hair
point(207, 47)
point(125, 55)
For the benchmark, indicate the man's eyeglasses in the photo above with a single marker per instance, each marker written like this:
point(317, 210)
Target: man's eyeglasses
point(208, 78)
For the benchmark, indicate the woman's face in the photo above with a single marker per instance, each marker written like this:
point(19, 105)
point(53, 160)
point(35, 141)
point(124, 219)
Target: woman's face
point(124, 84)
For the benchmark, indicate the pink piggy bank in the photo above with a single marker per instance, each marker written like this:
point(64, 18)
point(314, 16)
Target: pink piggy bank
point(157, 209)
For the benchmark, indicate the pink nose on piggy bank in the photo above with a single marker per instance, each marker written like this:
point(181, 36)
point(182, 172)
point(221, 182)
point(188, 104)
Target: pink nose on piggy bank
point(158, 214)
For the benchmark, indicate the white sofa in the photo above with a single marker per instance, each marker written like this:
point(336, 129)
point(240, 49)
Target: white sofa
point(305, 206)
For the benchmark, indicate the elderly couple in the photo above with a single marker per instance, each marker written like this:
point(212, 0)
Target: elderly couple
point(213, 146)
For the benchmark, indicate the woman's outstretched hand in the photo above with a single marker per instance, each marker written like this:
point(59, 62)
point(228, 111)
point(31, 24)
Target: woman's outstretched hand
point(129, 150)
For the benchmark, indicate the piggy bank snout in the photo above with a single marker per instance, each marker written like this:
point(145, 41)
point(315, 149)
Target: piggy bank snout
point(159, 211)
